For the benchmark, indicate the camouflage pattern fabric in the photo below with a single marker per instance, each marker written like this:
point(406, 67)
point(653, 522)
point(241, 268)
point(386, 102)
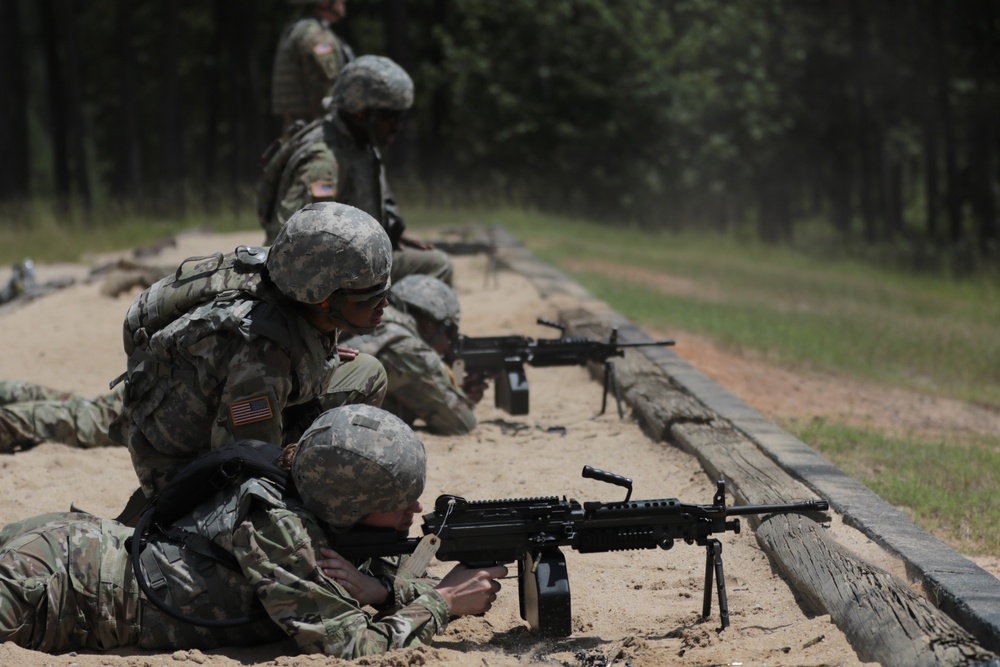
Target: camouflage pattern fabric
point(66, 583)
point(31, 414)
point(421, 385)
point(332, 164)
point(209, 378)
point(307, 61)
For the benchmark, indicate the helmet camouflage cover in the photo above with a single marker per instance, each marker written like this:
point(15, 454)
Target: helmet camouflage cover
point(356, 460)
point(328, 248)
point(428, 295)
point(372, 82)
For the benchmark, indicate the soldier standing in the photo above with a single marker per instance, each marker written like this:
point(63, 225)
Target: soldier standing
point(245, 346)
point(413, 343)
point(307, 61)
point(249, 553)
point(339, 159)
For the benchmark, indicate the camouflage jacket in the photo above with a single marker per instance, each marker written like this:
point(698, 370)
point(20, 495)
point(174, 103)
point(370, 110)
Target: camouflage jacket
point(331, 163)
point(86, 597)
point(224, 371)
point(421, 385)
point(307, 61)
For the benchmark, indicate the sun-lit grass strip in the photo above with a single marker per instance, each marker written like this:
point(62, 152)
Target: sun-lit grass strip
point(948, 488)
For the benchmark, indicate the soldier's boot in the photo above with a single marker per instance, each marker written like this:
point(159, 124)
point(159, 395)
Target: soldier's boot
point(13, 436)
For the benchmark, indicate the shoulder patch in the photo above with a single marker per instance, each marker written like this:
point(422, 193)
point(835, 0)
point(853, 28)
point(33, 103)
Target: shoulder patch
point(323, 49)
point(251, 410)
point(322, 190)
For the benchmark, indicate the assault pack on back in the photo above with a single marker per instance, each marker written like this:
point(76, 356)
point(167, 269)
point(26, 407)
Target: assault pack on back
point(273, 161)
point(219, 469)
point(212, 277)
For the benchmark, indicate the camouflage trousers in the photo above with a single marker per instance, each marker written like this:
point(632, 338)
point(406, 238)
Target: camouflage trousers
point(65, 584)
point(30, 414)
point(433, 262)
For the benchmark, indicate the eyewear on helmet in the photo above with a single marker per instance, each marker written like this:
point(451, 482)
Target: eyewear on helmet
point(367, 298)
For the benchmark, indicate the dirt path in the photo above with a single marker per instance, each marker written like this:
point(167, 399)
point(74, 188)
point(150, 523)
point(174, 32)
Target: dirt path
point(642, 608)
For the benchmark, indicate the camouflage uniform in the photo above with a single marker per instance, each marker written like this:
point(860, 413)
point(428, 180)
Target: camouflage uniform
point(306, 63)
point(331, 161)
point(30, 414)
point(66, 583)
point(421, 385)
point(66, 580)
point(246, 364)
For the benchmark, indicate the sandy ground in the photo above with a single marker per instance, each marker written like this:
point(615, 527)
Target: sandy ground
point(636, 608)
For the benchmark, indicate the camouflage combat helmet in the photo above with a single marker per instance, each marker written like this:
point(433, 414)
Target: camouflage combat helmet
point(331, 250)
point(372, 82)
point(356, 460)
point(428, 295)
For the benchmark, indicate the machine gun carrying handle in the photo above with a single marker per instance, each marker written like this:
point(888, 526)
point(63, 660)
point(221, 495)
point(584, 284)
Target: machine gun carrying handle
point(610, 478)
point(550, 323)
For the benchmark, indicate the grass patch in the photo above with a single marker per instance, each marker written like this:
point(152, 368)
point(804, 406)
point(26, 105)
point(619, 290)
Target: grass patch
point(948, 488)
point(35, 230)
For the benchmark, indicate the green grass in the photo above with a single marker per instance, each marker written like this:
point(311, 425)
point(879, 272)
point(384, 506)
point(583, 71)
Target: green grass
point(948, 487)
point(36, 231)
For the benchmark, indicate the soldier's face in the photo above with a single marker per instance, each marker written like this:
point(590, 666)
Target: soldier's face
point(332, 10)
point(400, 520)
point(386, 125)
point(360, 314)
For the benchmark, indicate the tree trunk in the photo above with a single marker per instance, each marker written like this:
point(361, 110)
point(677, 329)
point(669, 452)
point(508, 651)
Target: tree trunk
point(128, 149)
point(13, 99)
point(213, 99)
point(870, 175)
point(171, 136)
point(77, 125)
point(982, 171)
point(252, 140)
point(57, 102)
point(398, 48)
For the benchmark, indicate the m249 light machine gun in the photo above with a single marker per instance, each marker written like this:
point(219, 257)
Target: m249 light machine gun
point(504, 358)
point(530, 531)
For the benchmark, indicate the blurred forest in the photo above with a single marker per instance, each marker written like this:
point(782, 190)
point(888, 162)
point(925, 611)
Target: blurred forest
point(874, 121)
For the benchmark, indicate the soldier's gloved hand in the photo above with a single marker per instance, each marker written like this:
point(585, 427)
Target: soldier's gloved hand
point(363, 588)
point(473, 386)
point(471, 591)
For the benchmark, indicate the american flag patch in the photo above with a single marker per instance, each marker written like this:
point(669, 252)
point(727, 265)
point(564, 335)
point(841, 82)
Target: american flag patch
point(321, 190)
point(322, 49)
point(250, 411)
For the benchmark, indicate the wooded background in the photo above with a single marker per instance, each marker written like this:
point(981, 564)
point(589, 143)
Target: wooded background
point(874, 120)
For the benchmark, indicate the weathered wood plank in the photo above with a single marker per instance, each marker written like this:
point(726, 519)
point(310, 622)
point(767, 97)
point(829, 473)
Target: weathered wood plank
point(885, 621)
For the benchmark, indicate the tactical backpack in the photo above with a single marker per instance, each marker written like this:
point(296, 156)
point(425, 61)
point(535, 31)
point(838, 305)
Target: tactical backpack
point(213, 277)
point(274, 160)
point(220, 469)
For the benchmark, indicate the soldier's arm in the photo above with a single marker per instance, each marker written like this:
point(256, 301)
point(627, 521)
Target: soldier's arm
point(424, 385)
point(277, 551)
point(254, 394)
point(313, 177)
point(322, 59)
